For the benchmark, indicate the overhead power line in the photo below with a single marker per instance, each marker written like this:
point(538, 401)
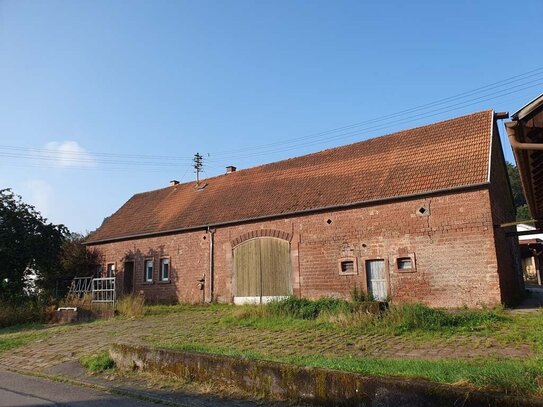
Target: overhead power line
point(144, 162)
point(445, 102)
point(94, 154)
point(290, 145)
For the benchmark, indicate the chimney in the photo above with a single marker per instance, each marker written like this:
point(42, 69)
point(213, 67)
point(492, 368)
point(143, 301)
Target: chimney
point(230, 169)
point(174, 182)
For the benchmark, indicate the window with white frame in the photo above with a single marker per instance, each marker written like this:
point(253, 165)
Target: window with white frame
point(164, 269)
point(111, 270)
point(149, 270)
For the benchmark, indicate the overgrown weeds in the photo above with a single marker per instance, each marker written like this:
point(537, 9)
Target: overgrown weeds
point(23, 313)
point(366, 316)
point(411, 317)
point(303, 308)
point(131, 306)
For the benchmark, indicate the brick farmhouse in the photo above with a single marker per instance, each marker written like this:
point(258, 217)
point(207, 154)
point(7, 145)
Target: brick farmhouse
point(412, 216)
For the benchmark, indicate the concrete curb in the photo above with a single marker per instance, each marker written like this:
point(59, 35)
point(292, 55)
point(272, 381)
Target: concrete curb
point(306, 384)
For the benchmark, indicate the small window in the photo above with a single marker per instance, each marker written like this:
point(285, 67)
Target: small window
point(148, 270)
point(111, 270)
point(164, 269)
point(406, 264)
point(348, 266)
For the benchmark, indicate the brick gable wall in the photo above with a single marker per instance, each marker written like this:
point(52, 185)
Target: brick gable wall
point(503, 211)
point(452, 245)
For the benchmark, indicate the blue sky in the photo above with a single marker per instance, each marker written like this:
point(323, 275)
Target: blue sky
point(103, 99)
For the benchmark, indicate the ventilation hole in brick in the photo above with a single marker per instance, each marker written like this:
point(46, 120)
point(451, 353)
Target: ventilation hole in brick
point(205, 237)
point(329, 221)
point(422, 210)
point(364, 245)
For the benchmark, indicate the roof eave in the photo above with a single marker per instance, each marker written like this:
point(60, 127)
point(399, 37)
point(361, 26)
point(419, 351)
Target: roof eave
point(293, 213)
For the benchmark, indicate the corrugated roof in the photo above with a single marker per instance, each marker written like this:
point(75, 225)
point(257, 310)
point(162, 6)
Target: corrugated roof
point(448, 154)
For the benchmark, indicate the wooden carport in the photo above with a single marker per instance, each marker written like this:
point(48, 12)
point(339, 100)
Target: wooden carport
point(525, 132)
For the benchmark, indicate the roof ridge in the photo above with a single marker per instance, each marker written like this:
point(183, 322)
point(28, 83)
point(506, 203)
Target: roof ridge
point(326, 150)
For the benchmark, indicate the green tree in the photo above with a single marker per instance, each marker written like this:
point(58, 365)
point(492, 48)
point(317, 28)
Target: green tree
point(76, 259)
point(523, 212)
point(28, 243)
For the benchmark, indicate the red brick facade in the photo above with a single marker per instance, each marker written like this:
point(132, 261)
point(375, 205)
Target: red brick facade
point(453, 247)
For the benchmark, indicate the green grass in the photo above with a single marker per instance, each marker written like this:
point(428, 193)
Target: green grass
point(413, 317)
point(8, 342)
point(508, 376)
point(518, 377)
point(288, 318)
point(97, 363)
point(413, 320)
point(162, 309)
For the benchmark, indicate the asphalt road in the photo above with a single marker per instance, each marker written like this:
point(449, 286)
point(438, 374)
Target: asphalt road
point(20, 390)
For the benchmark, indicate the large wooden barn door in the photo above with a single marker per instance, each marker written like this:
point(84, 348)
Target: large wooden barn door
point(247, 269)
point(262, 269)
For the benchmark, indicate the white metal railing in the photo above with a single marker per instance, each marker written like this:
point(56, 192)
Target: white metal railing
point(103, 290)
point(81, 286)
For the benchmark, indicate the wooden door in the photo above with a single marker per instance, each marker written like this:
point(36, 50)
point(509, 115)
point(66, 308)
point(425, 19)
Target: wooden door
point(275, 267)
point(377, 281)
point(247, 269)
point(262, 268)
point(128, 278)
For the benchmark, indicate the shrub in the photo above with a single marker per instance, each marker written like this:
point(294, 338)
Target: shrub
point(97, 363)
point(23, 313)
point(131, 306)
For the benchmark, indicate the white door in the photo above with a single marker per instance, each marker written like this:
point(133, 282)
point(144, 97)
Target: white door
point(377, 282)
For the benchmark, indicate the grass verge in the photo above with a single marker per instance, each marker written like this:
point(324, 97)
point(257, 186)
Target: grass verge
point(97, 363)
point(516, 377)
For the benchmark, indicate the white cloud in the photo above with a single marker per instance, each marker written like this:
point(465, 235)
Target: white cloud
point(39, 194)
point(70, 154)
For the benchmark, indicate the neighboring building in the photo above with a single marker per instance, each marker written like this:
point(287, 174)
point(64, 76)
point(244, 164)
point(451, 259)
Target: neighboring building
point(531, 252)
point(525, 133)
point(413, 217)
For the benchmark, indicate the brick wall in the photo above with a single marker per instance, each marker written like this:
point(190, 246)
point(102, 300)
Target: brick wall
point(189, 260)
point(503, 211)
point(452, 244)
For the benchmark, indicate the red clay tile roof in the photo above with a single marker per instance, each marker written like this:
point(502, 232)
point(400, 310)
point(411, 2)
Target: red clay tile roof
point(448, 154)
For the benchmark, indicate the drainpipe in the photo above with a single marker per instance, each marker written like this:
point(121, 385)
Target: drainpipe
point(211, 268)
point(517, 145)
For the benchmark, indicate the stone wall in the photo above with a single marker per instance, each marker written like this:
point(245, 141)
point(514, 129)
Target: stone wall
point(305, 384)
